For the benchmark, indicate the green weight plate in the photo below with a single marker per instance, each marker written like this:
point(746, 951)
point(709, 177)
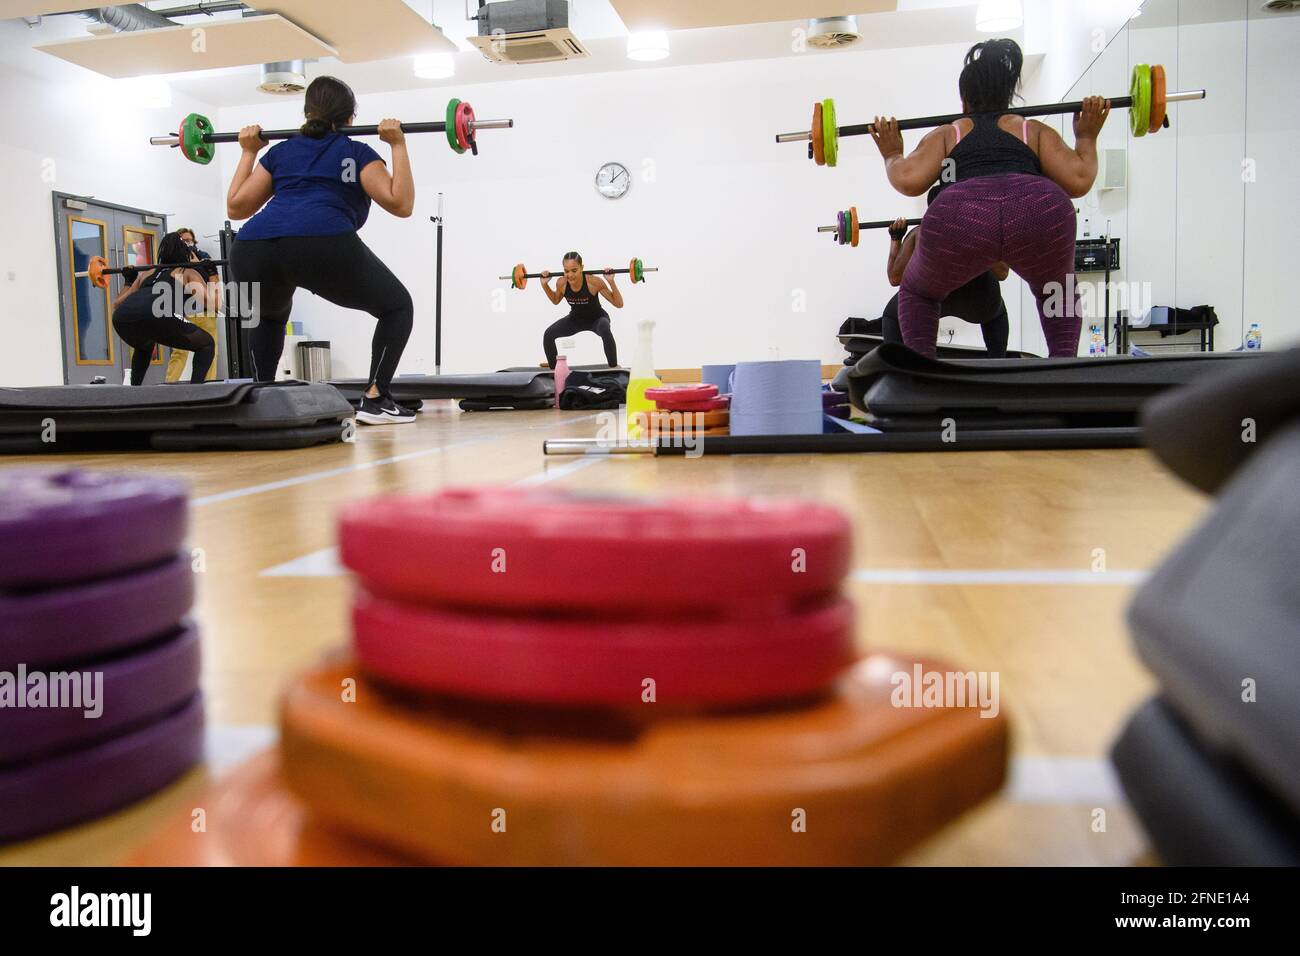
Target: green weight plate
point(451, 126)
point(192, 131)
point(1139, 114)
point(830, 133)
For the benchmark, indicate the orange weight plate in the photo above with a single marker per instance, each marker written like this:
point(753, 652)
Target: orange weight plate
point(847, 778)
point(819, 153)
point(252, 819)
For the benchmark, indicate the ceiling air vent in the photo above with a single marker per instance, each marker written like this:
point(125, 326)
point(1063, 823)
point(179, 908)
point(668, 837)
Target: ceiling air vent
point(831, 33)
point(526, 31)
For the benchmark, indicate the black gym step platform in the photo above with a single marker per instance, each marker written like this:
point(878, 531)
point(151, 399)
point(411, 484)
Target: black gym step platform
point(1199, 807)
point(216, 416)
point(894, 382)
point(860, 345)
point(1224, 610)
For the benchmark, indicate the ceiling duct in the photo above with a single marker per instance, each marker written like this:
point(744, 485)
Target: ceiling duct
point(832, 33)
point(126, 18)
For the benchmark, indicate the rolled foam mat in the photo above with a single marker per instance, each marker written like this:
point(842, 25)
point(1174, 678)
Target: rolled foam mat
point(1199, 433)
point(61, 525)
point(498, 548)
point(74, 787)
point(437, 778)
point(1198, 808)
point(1219, 621)
point(253, 819)
point(694, 661)
point(79, 622)
point(128, 691)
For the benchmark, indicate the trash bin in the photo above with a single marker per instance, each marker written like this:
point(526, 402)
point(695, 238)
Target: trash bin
point(314, 361)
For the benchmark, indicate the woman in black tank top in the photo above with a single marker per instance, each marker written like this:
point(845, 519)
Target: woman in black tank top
point(1009, 182)
point(586, 314)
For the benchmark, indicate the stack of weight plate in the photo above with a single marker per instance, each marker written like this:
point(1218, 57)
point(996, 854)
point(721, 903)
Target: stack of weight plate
point(99, 667)
point(541, 678)
point(687, 411)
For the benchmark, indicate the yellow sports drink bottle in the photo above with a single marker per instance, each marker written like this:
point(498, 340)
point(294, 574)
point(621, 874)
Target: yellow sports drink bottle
point(642, 378)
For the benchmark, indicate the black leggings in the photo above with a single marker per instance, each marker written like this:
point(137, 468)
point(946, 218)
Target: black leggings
point(982, 309)
point(339, 269)
point(143, 332)
point(570, 326)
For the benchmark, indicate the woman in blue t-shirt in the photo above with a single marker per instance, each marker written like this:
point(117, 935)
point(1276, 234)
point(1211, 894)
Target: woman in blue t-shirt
point(314, 193)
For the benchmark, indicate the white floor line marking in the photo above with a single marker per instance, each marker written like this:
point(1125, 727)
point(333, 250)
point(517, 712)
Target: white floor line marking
point(228, 746)
point(558, 471)
point(1062, 780)
point(318, 564)
point(1009, 576)
point(335, 472)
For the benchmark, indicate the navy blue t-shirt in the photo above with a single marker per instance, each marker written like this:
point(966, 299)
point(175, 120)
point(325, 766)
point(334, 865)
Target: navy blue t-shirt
point(317, 185)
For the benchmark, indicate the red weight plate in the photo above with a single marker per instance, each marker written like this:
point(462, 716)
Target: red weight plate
point(682, 393)
point(873, 772)
point(694, 661)
point(252, 819)
point(464, 113)
point(690, 421)
point(537, 548)
point(722, 403)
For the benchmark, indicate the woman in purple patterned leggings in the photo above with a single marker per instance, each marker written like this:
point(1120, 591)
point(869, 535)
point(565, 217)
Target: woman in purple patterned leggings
point(1010, 182)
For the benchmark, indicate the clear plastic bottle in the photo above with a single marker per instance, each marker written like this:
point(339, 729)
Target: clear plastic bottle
point(642, 377)
point(1096, 343)
point(1254, 338)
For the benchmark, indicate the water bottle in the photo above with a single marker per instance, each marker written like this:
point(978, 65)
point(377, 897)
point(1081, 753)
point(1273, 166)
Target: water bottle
point(1254, 338)
point(1096, 344)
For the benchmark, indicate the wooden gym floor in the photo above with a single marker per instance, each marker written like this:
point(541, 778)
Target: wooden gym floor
point(1050, 625)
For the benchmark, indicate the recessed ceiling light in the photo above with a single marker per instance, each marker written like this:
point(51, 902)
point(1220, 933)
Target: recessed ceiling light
point(435, 66)
point(647, 47)
point(998, 16)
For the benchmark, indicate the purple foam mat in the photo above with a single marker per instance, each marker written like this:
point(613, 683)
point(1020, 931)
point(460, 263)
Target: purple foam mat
point(85, 621)
point(127, 691)
point(72, 788)
point(60, 525)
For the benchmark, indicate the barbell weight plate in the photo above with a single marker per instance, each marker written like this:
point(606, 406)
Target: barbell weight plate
point(854, 227)
point(1139, 114)
point(818, 147)
point(95, 271)
point(192, 130)
point(464, 113)
point(452, 140)
point(1158, 104)
point(640, 270)
point(519, 277)
point(839, 227)
point(830, 133)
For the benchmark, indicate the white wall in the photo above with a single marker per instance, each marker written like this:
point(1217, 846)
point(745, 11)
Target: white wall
point(730, 216)
point(76, 136)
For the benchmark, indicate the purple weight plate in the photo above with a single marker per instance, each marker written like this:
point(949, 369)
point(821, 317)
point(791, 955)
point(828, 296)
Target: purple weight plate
point(86, 621)
point(129, 691)
point(67, 525)
point(47, 795)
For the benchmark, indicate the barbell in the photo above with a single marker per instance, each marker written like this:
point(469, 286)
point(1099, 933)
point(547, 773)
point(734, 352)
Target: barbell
point(196, 137)
point(519, 276)
point(98, 271)
point(848, 226)
point(1147, 104)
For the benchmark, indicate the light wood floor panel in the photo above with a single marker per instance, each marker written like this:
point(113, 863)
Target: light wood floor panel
point(1068, 675)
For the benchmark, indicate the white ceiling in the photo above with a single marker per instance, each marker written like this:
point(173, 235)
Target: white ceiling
point(594, 22)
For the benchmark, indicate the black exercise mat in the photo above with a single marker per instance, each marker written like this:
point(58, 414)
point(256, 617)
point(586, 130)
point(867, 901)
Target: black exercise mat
point(1198, 432)
point(106, 399)
point(1199, 808)
point(1225, 608)
point(901, 382)
point(267, 415)
point(861, 345)
point(533, 383)
point(506, 404)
